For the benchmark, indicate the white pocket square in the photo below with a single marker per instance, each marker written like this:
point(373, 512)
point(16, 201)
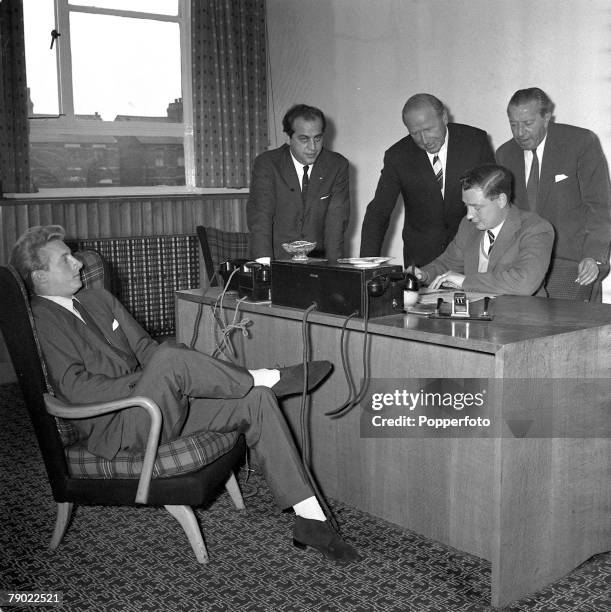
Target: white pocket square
point(560, 177)
point(325, 196)
point(115, 324)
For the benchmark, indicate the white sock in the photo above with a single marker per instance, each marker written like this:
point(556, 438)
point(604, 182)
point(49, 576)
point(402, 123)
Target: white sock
point(310, 509)
point(265, 377)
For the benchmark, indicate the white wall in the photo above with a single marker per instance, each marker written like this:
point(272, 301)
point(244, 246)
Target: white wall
point(359, 60)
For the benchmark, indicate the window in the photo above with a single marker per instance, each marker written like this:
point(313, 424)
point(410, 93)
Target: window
point(107, 80)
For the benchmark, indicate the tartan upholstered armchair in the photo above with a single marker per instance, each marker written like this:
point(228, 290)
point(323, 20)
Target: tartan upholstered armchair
point(177, 475)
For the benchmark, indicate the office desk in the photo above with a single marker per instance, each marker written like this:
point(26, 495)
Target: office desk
point(536, 507)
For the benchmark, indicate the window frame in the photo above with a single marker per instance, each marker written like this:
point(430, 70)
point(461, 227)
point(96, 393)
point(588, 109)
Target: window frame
point(67, 124)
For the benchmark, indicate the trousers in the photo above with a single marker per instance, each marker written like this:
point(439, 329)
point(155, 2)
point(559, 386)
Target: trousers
point(195, 391)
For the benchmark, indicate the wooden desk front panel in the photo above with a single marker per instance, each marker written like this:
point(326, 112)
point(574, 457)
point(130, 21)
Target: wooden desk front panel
point(554, 508)
point(424, 484)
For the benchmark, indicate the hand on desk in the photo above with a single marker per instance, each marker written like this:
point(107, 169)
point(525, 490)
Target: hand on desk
point(448, 279)
point(418, 273)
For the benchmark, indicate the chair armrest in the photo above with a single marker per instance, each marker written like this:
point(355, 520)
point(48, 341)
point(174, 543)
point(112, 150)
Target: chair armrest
point(81, 411)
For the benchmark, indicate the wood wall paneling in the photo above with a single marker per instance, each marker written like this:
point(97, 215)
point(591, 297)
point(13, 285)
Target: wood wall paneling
point(85, 218)
point(121, 217)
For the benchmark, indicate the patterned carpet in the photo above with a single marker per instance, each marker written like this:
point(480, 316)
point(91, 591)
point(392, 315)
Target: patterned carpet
point(139, 559)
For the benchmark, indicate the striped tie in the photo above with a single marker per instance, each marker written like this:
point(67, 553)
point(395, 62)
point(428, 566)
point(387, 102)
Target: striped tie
point(438, 170)
point(491, 239)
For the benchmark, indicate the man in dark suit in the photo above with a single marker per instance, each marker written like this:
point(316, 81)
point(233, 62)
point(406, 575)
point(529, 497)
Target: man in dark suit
point(95, 351)
point(299, 191)
point(567, 184)
point(498, 248)
point(424, 168)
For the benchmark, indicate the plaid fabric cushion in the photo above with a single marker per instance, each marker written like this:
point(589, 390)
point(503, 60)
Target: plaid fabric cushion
point(226, 245)
point(67, 432)
point(93, 272)
point(185, 454)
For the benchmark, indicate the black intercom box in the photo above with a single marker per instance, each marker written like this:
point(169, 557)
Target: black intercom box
point(337, 288)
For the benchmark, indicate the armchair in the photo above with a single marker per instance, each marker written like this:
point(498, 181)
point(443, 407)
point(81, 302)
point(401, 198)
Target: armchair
point(177, 475)
point(217, 246)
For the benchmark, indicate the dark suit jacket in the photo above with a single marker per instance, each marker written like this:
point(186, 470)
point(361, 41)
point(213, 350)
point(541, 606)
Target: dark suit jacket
point(574, 192)
point(275, 211)
point(517, 262)
point(84, 368)
point(430, 220)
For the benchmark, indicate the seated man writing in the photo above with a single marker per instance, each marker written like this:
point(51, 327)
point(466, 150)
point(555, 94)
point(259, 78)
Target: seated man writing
point(95, 351)
point(498, 248)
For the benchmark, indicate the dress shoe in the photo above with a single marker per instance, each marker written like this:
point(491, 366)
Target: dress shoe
point(291, 378)
point(321, 536)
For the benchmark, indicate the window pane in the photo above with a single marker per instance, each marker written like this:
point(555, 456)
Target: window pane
point(123, 70)
point(96, 160)
point(126, 67)
point(162, 7)
point(41, 67)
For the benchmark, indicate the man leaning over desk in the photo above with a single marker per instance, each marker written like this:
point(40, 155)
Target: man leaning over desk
point(424, 167)
point(498, 248)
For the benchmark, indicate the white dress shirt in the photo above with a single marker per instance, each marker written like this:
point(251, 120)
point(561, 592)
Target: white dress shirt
point(64, 302)
point(299, 169)
point(528, 159)
point(484, 248)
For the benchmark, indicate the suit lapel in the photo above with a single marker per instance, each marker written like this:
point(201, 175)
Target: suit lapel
point(548, 164)
point(517, 161)
point(505, 238)
point(317, 177)
point(472, 251)
point(288, 172)
point(454, 167)
point(84, 331)
point(74, 323)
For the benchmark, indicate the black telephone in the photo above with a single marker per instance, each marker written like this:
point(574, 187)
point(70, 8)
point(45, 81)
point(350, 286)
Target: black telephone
point(225, 271)
point(255, 281)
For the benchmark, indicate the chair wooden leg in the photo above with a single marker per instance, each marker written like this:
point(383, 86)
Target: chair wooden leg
point(233, 488)
point(64, 512)
point(185, 516)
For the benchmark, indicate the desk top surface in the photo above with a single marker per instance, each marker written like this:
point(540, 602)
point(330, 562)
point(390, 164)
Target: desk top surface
point(515, 319)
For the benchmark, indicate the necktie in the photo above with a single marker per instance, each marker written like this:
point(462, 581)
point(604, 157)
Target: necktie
point(305, 183)
point(438, 170)
point(532, 185)
point(491, 238)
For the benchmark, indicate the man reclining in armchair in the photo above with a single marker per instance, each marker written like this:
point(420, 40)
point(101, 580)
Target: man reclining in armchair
point(95, 351)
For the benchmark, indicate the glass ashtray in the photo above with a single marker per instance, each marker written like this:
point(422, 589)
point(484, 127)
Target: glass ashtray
point(299, 249)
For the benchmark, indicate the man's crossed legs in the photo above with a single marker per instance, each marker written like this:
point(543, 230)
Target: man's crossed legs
point(195, 392)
